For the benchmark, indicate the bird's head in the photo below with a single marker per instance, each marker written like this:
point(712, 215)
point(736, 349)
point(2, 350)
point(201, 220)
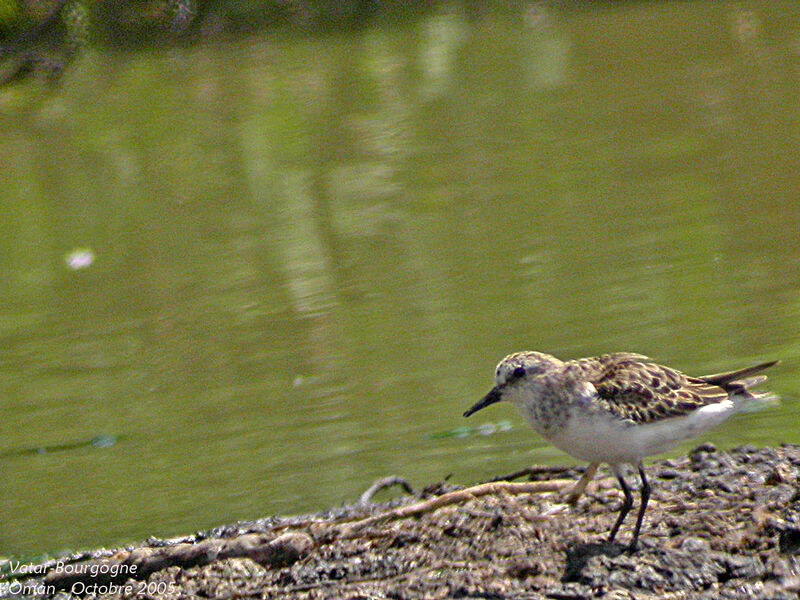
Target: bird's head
point(517, 377)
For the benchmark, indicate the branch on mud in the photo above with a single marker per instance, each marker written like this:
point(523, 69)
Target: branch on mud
point(351, 529)
point(139, 563)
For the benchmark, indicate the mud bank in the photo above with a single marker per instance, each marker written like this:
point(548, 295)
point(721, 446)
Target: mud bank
point(719, 525)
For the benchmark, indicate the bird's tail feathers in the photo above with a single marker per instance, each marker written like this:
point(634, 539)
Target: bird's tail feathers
point(741, 378)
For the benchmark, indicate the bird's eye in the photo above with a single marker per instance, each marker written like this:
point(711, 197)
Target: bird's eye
point(518, 372)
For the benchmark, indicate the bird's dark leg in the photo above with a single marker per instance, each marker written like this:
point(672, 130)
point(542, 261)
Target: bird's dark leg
point(642, 508)
point(626, 505)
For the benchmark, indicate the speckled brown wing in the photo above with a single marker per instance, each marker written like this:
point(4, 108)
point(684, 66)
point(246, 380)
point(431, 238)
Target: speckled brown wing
point(641, 391)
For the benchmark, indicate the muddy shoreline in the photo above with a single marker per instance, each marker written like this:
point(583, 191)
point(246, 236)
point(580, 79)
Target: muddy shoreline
point(719, 525)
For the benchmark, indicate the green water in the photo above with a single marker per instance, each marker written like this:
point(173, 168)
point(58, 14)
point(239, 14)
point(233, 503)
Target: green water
point(307, 254)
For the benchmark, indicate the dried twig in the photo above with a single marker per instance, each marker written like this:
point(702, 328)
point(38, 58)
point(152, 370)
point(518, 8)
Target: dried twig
point(533, 471)
point(580, 487)
point(494, 487)
point(382, 484)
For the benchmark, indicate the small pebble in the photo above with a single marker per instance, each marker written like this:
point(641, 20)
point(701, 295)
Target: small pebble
point(668, 474)
point(695, 544)
point(707, 447)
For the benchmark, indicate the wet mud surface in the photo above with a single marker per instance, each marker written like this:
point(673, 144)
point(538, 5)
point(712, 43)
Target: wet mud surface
point(719, 525)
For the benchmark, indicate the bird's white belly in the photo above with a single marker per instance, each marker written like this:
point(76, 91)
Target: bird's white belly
point(598, 437)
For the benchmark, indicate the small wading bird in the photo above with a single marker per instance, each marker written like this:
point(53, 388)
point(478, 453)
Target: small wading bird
point(618, 408)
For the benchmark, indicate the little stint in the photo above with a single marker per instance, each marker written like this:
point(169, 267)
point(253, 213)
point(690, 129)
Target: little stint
point(618, 408)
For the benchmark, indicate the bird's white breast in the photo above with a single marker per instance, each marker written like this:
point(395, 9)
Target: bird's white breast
point(597, 436)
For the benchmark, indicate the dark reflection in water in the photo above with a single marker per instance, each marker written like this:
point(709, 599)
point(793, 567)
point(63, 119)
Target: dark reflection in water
point(307, 255)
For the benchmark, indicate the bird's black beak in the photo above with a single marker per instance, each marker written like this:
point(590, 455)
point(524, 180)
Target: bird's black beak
point(495, 395)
